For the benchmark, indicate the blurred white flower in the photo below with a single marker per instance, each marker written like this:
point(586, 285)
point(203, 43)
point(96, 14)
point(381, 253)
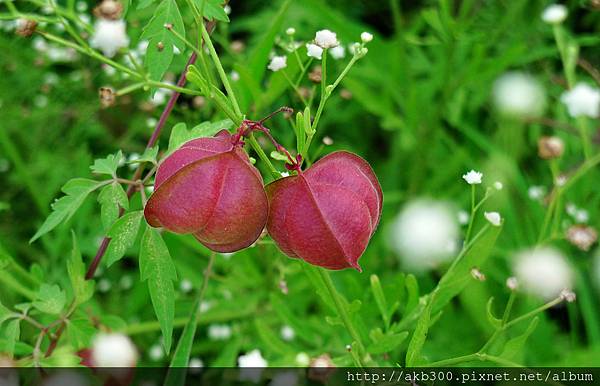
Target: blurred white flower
point(290, 31)
point(424, 234)
point(40, 101)
point(463, 217)
point(302, 358)
point(81, 6)
point(568, 295)
point(85, 18)
point(582, 236)
point(512, 283)
point(195, 365)
point(314, 51)
point(536, 192)
point(109, 36)
point(338, 52)
point(287, 333)
point(366, 37)
point(205, 305)
point(494, 218)
point(156, 352)
point(554, 14)
point(219, 332)
point(234, 75)
point(126, 282)
point(285, 378)
point(473, 177)
point(518, 94)
point(498, 185)
point(543, 272)
point(227, 9)
point(326, 39)
point(582, 216)
point(104, 285)
point(186, 286)
point(277, 63)
point(113, 350)
point(39, 44)
point(161, 95)
point(582, 100)
point(253, 359)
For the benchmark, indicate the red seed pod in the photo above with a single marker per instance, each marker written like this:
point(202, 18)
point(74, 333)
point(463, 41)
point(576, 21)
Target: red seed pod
point(208, 187)
point(327, 214)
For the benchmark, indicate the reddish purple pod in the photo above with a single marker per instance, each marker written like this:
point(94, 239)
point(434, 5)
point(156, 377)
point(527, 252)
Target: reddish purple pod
point(208, 187)
point(327, 214)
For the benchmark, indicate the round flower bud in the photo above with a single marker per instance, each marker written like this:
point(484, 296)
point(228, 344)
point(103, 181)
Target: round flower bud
point(327, 214)
point(113, 350)
point(209, 188)
point(550, 147)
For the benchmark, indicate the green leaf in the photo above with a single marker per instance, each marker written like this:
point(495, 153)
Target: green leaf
point(108, 165)
point(213, 10)
point(259, 57)
point(380, 299)
point(387, 343)
point(144, 3)
point(158, 269)
point(412, 288)
point(413, 354)
point(490, 314)
point(50, 299)
point(12, 331)
point(122, 236)
point(278, 156)
point(455, 280)
point(513, 349)
point(63, 356)
point(82, 289)
point(149, 155)
point(112, 197)
point(180, 134)
point(80, 332)
point(5, 314)
point(159, 54)
point(76, 191)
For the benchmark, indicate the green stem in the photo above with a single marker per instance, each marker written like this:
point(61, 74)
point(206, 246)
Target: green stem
point(342, 312)
point(220, 70)
point(293, 86)
point(472, 216)
point(10, 282)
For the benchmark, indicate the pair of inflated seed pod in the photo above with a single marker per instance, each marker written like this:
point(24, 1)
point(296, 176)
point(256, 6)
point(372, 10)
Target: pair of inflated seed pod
point(324, 215)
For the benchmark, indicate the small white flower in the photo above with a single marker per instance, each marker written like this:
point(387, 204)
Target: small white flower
point(314, 51)
point(424, 234)
point(494, 218)
point(326, 39)
point(113, 350)
point(219, 332)
point(302, 358)
point(109, 36)
point(366, 37)
point(561, 180)
point(543, 272)
point(234, 75)
point(196, 362)
point(104, 285)
point(473, 177)
point(498, 185)
point(536, 192)
point(582, 100)
point(205, 305)
point(463, 217)
point(252, 359)
point(40, 44)
point(85, 18)
point(285, 378)
point(156, 353)
point(285, 174)
point(40, 101)
point(518, 94)
point(186, 286)
point(512, 283)
point(582, 236)
point(287, 333)
point(338, 52)
point(161, 95)
point(277, 63)
point(327, 141)
point(227, 9)
point(195, 365)
point(126, 282)
point(290, 31)
point(581, 216)
point(554, 14)
point(568, 295)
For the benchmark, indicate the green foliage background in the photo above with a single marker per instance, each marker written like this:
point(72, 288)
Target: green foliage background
point(420, 113)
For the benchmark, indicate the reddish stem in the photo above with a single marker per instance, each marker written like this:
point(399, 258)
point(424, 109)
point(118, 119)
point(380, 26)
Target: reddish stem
point(151, 142)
